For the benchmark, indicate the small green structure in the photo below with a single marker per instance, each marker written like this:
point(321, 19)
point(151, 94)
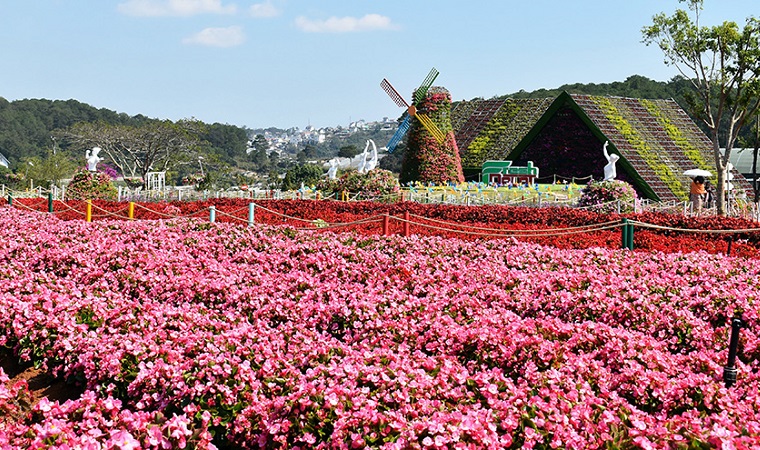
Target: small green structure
point(503, 172)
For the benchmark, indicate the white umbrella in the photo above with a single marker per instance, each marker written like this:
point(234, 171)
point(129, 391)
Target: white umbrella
point(697, 173)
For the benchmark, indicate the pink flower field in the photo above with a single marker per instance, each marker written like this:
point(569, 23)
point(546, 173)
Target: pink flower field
point(186, 334)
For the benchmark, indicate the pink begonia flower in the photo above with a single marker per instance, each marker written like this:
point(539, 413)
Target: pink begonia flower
point(123, 440)
point(157, 439)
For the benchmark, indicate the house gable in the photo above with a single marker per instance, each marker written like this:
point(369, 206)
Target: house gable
point(656, 139)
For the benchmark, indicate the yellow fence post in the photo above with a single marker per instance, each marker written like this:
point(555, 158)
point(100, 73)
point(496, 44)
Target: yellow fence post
point(131, 211)
point(88, 211)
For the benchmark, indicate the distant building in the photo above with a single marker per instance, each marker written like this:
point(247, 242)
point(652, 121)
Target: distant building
point(742, 159)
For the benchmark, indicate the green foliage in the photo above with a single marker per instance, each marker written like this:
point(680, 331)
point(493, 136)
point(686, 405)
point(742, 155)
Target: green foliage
point(723, 64)
point(26, 127)
point(53, 168)
point(392, 161)
point(11, 179)
point(348, 151)
point(307, 174)
point(642, 147)
point(375, 184)
point(86, 185)
point(635, 86)
point(603, 196)
point(228, 139)
point(260, 160)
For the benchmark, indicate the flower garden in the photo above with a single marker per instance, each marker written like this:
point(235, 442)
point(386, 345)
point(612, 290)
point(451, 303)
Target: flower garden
point(180, 333)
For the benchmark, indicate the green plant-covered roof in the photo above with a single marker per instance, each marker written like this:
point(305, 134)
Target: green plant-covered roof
point(656, 139)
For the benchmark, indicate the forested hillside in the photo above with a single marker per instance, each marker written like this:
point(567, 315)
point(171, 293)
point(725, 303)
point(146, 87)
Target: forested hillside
point(27, 126)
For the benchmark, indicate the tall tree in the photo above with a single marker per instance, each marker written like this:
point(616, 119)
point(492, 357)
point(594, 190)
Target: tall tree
point(260, 143)
point(136, 150)
point(723, 64)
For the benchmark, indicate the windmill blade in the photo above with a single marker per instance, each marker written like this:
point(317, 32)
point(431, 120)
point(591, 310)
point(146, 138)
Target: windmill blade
point(399, 134)
point(393, 94)
point(431, 127)
point(421, 91)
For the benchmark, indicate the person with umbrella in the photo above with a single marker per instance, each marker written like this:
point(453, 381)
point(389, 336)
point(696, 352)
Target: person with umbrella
point(697, 193)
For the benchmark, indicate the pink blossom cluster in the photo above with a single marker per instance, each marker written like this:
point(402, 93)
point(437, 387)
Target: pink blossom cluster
point(94, 423)
point(189, 334)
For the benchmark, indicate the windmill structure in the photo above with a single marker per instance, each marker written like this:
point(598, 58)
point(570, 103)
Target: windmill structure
point(412, 110)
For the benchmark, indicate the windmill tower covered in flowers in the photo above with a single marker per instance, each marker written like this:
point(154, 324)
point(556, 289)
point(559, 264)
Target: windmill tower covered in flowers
point(432, 155)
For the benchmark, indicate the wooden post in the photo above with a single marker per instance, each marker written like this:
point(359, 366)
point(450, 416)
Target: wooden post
point(131, 211)
point(407, 225)
point(50, 201)
point(88, 211)
point(386, 224)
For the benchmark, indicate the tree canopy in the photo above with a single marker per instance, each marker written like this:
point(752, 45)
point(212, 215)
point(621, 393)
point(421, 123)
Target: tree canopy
point(137, 150)
point(722, 63)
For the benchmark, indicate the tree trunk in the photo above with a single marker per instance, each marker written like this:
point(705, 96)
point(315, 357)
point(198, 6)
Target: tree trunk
point(720, 193)
point(755, 181)
point(720, 166)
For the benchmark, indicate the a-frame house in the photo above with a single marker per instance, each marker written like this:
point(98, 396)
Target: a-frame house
point(564, 137)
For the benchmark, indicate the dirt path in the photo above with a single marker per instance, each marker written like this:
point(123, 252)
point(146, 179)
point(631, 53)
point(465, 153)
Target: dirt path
point(41, 384)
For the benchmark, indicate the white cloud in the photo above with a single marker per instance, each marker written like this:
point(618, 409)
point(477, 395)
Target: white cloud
point(157, 8)
point(370, 22)
point(262, 10)
point(217, 37)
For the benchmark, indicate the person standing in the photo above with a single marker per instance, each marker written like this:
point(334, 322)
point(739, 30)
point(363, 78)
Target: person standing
point(697, 193)
point(709, 194)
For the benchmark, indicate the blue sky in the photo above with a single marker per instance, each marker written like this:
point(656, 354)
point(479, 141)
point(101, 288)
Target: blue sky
point(286, 63)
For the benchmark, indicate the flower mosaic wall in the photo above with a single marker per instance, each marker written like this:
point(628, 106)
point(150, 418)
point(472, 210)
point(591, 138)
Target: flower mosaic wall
point(656, 139)
point(426, 160)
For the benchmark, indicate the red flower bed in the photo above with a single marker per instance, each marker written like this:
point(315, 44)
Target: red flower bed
point(464, 222)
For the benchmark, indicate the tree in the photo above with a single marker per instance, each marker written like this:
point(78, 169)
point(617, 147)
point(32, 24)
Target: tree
point(53, 168)
point(392, 161)
point(307, 174)
point(348, 151)
point(755, 180)
point(260, 143)
point(260, 159)
point(136, 150)
point(259, 155)
point(723, 64)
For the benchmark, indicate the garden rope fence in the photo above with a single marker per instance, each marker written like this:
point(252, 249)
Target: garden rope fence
point(407, 221)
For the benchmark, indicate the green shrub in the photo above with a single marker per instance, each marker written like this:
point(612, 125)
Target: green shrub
point(375, 184)
point(306, 174)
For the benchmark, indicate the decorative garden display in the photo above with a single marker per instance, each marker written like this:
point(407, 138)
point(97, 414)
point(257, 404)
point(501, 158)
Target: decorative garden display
point(432, 155)
point(503, 173)
point(412, 110)
point(655, 139)
point(89, 185)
